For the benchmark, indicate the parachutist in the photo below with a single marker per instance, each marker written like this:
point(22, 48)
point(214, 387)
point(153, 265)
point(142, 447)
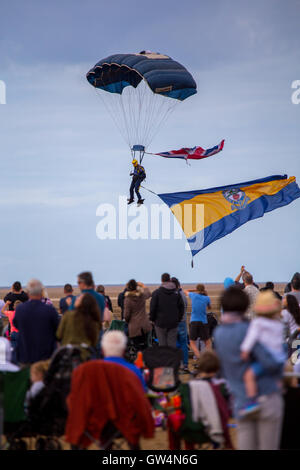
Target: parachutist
point(138, 175)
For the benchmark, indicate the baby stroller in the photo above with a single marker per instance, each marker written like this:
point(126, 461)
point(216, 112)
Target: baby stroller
point(162, 377)
point(47, 412)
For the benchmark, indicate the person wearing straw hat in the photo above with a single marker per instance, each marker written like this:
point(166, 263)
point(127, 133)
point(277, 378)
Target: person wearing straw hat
point(261, 430)
point(267, 329)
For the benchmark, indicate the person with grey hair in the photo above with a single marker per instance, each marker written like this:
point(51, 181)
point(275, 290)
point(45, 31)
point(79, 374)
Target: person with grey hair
point(113, 346)
point(37, 323)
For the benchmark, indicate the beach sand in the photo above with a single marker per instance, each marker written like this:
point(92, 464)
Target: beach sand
point(213, 289)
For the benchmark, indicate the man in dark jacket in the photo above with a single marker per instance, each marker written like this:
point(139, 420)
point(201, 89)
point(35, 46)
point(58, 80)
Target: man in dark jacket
point(166, 311)
point(37, 323)
point(121, 298)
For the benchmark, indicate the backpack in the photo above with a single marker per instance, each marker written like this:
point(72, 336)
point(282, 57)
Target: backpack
point(190, 430)
point(142, 173)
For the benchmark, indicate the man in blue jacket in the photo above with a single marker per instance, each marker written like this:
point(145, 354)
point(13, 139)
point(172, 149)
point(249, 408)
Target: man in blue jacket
point(138, 175)
point(86, 285)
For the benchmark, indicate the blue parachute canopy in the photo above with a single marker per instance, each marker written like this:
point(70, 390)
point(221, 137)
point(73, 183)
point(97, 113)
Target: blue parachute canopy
point(164, 75)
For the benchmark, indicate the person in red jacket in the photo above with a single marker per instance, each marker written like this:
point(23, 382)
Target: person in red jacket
point(104, 392)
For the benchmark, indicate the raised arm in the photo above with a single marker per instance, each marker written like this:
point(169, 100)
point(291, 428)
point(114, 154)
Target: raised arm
point(146, 291)
point(237, 279)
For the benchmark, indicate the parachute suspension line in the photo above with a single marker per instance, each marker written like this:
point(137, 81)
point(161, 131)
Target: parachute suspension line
point(131, 114)
point(120, 111)
point(162, 119)
point(112, 103)
point(152, 112)
point(108, 108)
point(138, 113)
point(126, 113)
point(155, 106)
point(142, 96)
point(155, 109)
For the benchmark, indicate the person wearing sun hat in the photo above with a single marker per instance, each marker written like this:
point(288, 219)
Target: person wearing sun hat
point(261, 430)
point(267, 329)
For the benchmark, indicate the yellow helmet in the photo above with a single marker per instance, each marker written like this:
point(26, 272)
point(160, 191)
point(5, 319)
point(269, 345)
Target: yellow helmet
point(134, 162)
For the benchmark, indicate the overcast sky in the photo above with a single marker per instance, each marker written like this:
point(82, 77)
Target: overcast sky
point(62, 156)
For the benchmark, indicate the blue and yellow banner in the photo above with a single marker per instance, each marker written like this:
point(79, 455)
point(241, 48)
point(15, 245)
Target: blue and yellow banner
point(209, 214)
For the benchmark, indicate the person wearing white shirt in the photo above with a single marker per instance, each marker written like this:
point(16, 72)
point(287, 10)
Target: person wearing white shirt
point(291, 313)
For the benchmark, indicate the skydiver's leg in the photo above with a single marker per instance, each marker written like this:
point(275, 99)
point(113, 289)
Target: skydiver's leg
point(137, 187)
point(131, 190)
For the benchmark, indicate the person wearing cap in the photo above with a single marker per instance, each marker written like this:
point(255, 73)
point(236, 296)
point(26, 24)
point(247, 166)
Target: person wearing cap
point(267, 329)
point(228, 282)
point(138, 175)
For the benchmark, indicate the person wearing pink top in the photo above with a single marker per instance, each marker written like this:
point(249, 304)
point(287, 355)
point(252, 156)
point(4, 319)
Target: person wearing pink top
point(14, 333)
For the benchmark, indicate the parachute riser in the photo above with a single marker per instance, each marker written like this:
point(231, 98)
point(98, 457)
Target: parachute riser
point(138, 152)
